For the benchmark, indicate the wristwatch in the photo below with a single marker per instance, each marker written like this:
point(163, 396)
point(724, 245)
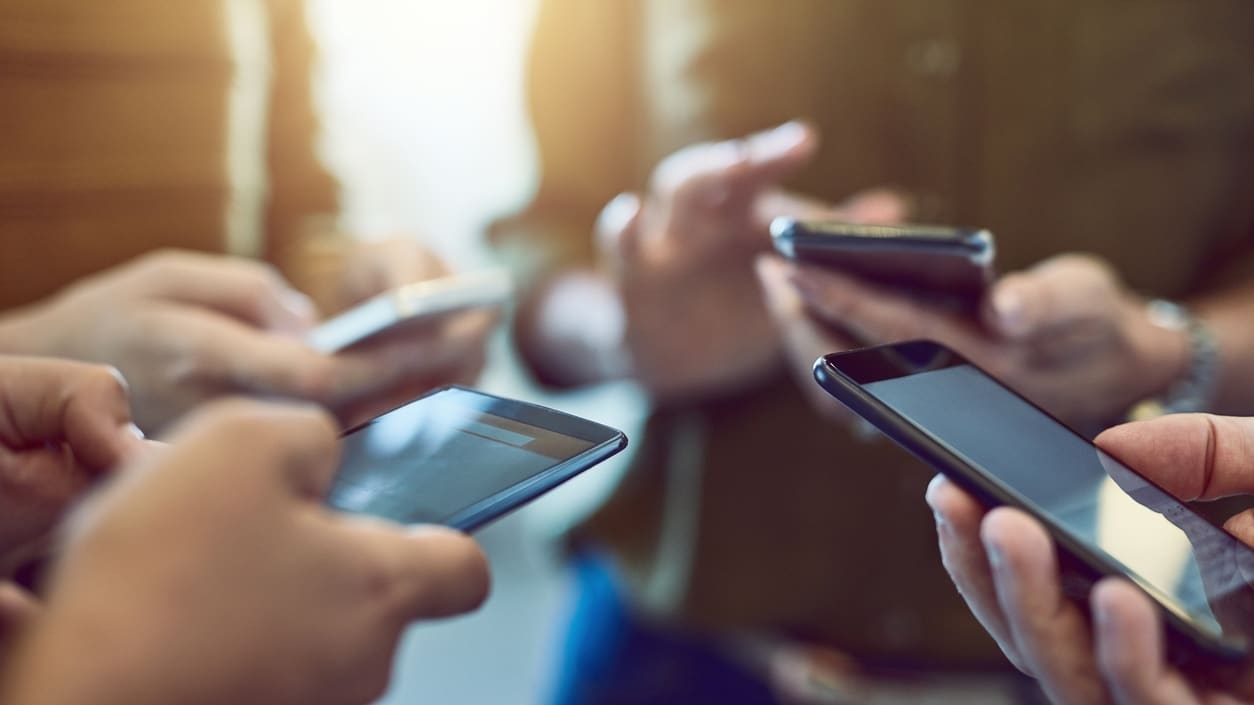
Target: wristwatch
point(1195, 389)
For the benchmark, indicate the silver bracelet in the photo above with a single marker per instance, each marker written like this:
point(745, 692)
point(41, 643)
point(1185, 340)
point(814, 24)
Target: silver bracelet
point(1195, 389)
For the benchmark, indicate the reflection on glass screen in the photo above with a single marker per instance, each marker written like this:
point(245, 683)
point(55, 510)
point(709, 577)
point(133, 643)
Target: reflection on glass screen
point(428, 461)
point(1088, 493)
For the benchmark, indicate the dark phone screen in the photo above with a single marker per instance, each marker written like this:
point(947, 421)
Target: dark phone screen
point(432, 459)
point(1190, 565)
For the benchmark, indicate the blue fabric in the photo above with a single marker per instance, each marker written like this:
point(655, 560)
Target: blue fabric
point(609, 657)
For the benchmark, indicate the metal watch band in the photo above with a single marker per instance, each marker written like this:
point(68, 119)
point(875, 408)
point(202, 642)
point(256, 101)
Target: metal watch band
point(1195, 389)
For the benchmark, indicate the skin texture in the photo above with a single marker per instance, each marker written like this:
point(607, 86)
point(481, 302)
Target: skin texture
point(63, 427)
point(1006, 568)
point(1065, 333)
point(211, 572)
point(184, 328)
point(676, 272)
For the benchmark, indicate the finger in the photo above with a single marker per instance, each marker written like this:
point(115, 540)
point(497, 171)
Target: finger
point(431, 572)
point(1242, 527)
point(247, 290)
point(1192, 456)
point(1131, 650)
point(1058, 291)
point(1049, 632)
point(293, 448)
point(710, 172)
point(54, 401)
point(874, 314)
point(804, 339)
point(618, 229)
point(958, 519)
point(412, 365)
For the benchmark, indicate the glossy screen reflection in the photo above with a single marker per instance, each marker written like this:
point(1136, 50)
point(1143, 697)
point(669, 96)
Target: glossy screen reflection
point(430, 460)
point(1088, 494)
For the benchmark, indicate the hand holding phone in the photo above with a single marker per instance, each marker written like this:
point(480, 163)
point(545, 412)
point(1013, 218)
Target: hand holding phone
point(413, 305)
point(1107, 520)
point(931, 261)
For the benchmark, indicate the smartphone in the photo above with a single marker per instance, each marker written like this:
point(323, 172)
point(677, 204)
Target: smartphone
point(1106, 519)
point(926, 260)
point(462, 458)
point(412, 305)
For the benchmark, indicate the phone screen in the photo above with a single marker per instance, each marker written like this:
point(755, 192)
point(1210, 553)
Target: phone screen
point(1084, 492)
point(436, 458)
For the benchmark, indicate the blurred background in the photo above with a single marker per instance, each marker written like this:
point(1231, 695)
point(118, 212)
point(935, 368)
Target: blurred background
point(425, 125)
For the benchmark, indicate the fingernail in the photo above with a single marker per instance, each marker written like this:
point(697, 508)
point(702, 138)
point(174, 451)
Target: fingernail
point(136, 431)
point(782, 138)
point(618, 214)
point(1011, 310)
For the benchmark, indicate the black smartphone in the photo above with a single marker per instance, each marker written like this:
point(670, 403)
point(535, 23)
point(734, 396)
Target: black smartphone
point(926, 260)
point(462, 458)
point(1107, 519)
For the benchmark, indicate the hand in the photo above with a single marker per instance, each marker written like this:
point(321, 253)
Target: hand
point(1066, 333)
point(1005, 566)
point(681, 259)
point(213, 573)
point(65, 424)
point(184, 328)
point(340, 272)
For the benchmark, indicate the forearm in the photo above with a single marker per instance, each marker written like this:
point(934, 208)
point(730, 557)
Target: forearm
point(1230, 314)
point(571, 330)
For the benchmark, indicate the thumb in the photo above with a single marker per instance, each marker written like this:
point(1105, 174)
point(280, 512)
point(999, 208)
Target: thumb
point(1056, 292)
point(1192, 456)
point(432, 571)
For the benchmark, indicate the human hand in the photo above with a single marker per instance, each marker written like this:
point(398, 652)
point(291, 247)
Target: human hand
point(1066, 333)
point(65, 424)
point(340, 272)
point(681, 258)
point(1006, 568)
point(184, 328)
point(212, 572)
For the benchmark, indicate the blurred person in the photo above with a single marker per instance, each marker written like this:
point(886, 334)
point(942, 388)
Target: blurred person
point(167, 587)
point(136, 126)
point(1067, 127)
point(1113, 649)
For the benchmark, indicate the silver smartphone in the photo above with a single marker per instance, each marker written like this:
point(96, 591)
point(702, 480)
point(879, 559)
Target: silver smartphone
point(413, 305)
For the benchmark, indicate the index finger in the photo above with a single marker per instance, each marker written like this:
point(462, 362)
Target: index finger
point(1192, 456)
point(745, 163)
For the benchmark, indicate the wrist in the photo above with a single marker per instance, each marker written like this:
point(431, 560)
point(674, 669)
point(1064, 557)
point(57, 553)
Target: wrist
point(1184, 361)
